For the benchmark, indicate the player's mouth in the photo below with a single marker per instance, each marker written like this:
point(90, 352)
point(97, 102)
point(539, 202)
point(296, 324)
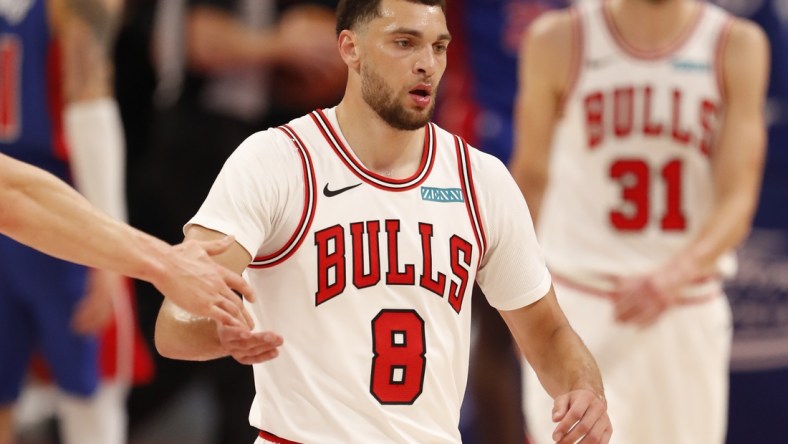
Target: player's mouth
point(421, 95)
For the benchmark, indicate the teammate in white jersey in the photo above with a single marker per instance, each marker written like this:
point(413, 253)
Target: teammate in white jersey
point(362, 229)
point(640, 146)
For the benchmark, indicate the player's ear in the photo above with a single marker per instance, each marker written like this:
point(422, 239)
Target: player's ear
point(349, 49)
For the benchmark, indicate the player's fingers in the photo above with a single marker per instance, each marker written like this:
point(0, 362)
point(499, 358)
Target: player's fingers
point(599, 435)
point(256, 351)
point(254, 341)
point(237, 283)
point(605, 438)
point(595, 435)
point(630, 308)
point(217, 246)
point(247, 317)
point(223, 317)
point(645, 318)
point(235, 307)
point(256, 359)
point(586, 425)
point(572, 416)
point(560, 407)
point(232, 336)
point(220, 316)
point(255, 345)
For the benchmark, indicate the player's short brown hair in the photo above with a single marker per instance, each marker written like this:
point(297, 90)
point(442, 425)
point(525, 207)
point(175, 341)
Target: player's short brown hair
point(352, 13)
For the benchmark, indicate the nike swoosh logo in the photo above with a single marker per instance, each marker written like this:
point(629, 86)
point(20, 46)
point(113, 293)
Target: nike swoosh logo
point(332, 193)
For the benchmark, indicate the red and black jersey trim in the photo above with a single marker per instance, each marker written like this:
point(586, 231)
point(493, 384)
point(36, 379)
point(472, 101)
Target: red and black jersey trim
point(469, 194)
point(308, 214)
point(273, 438)
point(370, 177)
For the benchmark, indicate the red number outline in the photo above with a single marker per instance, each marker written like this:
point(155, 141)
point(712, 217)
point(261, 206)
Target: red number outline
point(399, 362)
point(10, 70)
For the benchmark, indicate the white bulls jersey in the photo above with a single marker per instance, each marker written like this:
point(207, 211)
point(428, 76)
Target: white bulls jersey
point(630, 171)
point(369, 279)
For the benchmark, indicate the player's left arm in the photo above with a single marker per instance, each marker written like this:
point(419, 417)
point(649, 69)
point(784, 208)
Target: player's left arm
point(738, 159)
point(565, 368)
point(84, 31)
point(737, 163)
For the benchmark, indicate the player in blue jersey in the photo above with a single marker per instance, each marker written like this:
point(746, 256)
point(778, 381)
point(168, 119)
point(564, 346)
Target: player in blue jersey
point(56, 112)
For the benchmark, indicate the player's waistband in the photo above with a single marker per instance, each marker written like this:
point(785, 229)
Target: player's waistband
point(268, 436)
point(701, 291)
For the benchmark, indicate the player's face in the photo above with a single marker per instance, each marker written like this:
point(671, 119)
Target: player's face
point(405, 57)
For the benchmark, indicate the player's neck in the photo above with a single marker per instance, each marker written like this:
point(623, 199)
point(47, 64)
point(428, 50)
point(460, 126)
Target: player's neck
point(380, 147)
point(652, 25)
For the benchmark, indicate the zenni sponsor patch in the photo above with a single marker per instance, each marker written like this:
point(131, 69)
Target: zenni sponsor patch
point(433, 194)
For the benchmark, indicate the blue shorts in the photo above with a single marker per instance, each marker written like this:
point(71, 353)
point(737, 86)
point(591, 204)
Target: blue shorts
point(38, 295)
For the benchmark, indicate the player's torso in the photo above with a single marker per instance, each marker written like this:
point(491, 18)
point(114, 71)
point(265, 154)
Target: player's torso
point(630, 173)
point(30, 85)
point(375, 301)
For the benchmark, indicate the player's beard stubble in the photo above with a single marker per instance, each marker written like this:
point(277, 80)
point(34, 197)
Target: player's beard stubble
point(384, 101)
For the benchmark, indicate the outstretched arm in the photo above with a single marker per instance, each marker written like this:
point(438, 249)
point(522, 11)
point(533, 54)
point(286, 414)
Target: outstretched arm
point(565, 368)
point(39, 210)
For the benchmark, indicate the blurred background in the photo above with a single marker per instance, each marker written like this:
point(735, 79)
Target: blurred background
point(190, 92)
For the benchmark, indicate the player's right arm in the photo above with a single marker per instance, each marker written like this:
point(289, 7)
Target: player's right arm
point(565, 368)
point(544, 71)
point(181, 335)
point(40, 211)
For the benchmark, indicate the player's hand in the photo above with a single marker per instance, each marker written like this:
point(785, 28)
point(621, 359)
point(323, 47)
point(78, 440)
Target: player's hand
point(641, 300)
point(248, 347)
point(202, 287)
point(582, 418)
point(95, 310)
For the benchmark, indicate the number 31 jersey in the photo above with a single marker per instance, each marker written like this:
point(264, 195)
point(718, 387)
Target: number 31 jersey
point(369, 279)
point(630, 169)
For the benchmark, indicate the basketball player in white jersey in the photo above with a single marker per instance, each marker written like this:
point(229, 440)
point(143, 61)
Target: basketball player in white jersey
point(362, 228)
point(640, 146)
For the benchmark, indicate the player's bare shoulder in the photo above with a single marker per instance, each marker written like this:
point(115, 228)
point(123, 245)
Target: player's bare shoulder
point(549, 46)
point(746, 57)
point(553, 29)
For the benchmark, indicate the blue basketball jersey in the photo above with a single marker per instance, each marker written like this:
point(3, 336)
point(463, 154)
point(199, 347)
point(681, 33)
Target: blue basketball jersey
point(30, 96)
point(38, 293)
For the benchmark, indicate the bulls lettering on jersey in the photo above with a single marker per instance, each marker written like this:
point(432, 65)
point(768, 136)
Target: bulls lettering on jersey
point(613, 113)
point(364, 244)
